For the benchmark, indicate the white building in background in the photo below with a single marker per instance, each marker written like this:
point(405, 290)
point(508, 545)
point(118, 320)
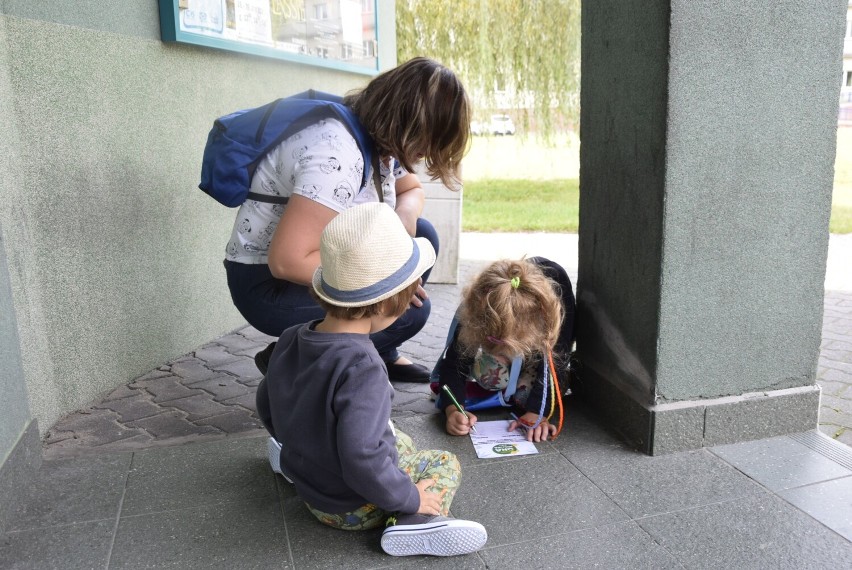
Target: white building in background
point(845, 115)
point(847, 55)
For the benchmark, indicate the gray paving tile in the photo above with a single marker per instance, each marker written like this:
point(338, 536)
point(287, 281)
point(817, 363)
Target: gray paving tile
point(223, 387)
point(842, 405)
point(239, 421)
point(191, 370)
point(253, 334)
point(119, 393)
point(621, 545)
point(252, 382)
point(236, 343)
point(171, 424)
point(753, 532)
point(829, 502)
point(836, 388)
point(165, 388)
point(545, 492)
point(66, 449)
point(780, 462)
point(81, 545)
point(831, 416)
point(156, 373)
point(199, 406)
point(198, 474)
point(133, 408)
point(643, 485)
point(56, 435)
point(247, 401)
point(316, 546)
point(72, 490)
point(94, 427)
point(244, 368)
point(413, 397)
point(838, 355)
point(214, 354)
point(842, 435)
point(245, 534)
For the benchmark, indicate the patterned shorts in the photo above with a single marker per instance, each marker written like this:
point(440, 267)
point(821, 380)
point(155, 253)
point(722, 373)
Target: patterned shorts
point(442, 466)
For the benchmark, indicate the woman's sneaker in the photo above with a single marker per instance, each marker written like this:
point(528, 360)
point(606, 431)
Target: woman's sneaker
point(273, 452)
point(408, 535)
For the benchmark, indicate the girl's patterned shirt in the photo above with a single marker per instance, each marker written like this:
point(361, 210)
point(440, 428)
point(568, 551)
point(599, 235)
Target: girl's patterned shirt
point(321, 162)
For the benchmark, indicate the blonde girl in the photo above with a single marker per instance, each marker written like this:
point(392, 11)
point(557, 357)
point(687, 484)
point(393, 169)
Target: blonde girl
point(512, 310)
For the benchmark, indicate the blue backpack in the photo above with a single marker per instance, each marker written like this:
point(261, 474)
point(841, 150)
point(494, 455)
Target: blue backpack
point(239, 141)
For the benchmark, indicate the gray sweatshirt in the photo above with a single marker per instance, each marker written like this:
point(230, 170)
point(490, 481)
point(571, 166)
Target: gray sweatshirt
point(330, 404)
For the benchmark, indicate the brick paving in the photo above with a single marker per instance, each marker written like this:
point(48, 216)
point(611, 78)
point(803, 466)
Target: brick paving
point(209, 393)
point(834, 372)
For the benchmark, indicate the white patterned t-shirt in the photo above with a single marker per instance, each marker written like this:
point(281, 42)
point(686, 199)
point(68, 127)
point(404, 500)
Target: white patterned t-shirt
point(321, 162)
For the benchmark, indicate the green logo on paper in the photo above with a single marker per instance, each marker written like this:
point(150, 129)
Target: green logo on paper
point(505, 448)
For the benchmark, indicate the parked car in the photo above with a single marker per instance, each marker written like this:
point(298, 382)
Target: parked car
point(502, 125)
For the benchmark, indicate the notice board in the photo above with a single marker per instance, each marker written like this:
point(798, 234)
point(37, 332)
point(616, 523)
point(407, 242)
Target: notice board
point(341, 34)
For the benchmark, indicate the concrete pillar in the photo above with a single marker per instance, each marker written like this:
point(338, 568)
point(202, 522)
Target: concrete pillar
point(443, 208)
point(706, 168)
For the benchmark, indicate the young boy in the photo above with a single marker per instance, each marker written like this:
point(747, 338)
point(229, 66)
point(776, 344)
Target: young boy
point(327, 399)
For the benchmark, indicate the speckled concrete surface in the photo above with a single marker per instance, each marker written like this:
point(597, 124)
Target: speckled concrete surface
point(170, 471)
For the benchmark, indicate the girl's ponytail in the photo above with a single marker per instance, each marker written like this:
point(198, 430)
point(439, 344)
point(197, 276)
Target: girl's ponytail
point(510, 308)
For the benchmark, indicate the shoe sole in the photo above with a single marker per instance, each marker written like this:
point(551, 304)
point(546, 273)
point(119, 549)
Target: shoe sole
point(449, 538)
point(273, 453)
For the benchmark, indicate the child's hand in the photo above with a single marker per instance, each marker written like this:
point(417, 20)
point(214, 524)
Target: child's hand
point(419, 295)
point(539, 433)
point(457, 424)
point(430, 503)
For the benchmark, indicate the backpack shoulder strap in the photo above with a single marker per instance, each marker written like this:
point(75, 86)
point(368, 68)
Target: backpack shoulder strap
point(514, 372)
point(512, 386)
point(358, 132)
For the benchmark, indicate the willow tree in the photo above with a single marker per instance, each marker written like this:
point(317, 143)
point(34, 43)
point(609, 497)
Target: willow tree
point(519, 54)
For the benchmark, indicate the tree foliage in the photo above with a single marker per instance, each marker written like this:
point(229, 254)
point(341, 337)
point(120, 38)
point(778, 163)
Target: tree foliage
point(510, 54)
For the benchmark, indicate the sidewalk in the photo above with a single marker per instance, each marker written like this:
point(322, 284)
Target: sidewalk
point(170, 471)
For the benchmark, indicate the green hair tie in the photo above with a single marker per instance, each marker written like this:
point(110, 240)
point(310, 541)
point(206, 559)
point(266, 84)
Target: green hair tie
point(516, 282)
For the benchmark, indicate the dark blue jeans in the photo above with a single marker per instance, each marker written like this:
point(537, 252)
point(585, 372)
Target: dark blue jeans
point(272, 305)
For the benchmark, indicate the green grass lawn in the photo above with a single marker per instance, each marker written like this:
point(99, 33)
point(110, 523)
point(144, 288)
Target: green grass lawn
point(521, 205)
point(516, 184)
point(841, 201)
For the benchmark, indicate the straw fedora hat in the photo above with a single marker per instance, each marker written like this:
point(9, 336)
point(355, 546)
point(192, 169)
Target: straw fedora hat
point(367, 256)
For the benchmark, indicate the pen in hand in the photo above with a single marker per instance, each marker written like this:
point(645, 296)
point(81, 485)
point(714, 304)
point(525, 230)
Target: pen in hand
point(517, 419)
point(455, 402)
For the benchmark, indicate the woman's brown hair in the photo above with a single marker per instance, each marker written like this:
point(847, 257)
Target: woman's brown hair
point(510, 308)
point(419, 107)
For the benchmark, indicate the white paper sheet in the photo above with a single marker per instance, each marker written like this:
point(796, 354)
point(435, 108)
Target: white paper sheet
point(493, 440)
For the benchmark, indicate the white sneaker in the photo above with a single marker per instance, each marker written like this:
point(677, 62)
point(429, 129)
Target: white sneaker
point(408, 535)
point(273, 452)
